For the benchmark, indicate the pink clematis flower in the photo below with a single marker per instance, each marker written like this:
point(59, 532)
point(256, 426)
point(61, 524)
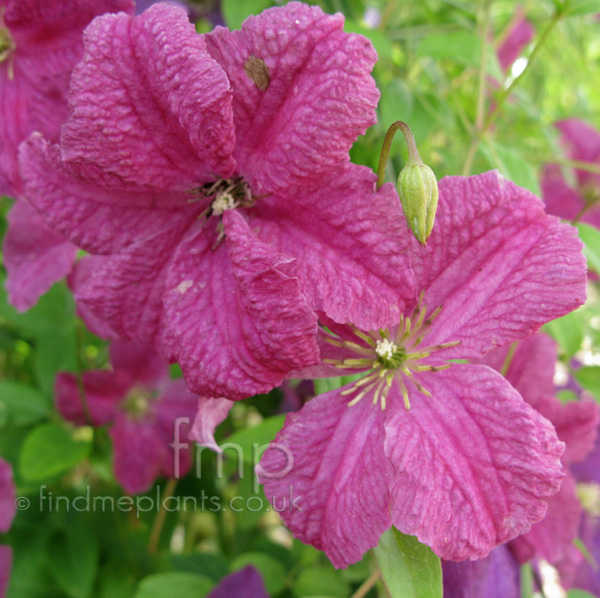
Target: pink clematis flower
point(141, 404)
point(453, 456)
point(40, 43)
point(213, 173)
point(517, 35)
point(582, 202)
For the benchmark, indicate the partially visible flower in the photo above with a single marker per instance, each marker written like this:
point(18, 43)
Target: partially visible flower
point(245, 583)
point(453, 456)
point(141, 405)
point(582, 202)
point(40, 43)
point(516, 37)
point(213, 172)
point(7, 514)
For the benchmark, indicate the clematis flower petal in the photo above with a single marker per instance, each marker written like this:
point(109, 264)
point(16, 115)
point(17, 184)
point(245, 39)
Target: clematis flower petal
point(496, 576)
point(245, 583)
point(142, 363)
point(139, 453)
point(150, 79)
point(211, 412)
point(520, 33)
point(35, 256)
point(103, 393)
point(583, 142)
point(236, 322)
point(351, 250)
point(552, 537)
point(473, 464)
point(497, 263)
point(8, 492)
point(332, 461)
point(302, 95)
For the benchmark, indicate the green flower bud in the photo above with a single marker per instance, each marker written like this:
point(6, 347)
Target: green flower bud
point(418, 190)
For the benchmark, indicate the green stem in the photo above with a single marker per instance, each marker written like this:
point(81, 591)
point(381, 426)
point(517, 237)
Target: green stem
point(367, 585)
point(487, 123)
point(80, 385)
point(509, 358)
point(413, 154)
point(159, 521)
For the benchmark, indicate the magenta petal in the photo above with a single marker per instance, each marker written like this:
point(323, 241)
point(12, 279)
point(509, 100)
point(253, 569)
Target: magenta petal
point(497, 263)
point(295, 128)
point(236, 322)
point(349, 244)
point(139, 454)
point(335, 495)
point(149, 105)
point(103, 393)
point(246, 583)
point(583, 142)
point(6, 558)
point(35, 256)
point(521, 32)
point(8, 491)
point(142, 363)
point(473, 464)
point(211, 412)
point(552, 537)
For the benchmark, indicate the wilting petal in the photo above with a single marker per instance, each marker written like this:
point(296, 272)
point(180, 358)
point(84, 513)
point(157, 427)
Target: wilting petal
point(473, 464)
point(337, 472)
point(551, 538)
point(211, 412)
point(497, 263)
point(236, 322)
point(35, 256)
point(496, 576)
point(103, 393)
point(531, 368)
point(139, 454)
point(246, 583)
point(349, 244)
point(302, 94)
point(149, 105)
point(8, 506)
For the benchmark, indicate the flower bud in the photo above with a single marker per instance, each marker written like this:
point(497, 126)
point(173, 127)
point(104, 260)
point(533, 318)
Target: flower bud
point(418, 190)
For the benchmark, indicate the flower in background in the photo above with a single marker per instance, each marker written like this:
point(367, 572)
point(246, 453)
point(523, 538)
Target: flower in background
point(211, 174)
point(453, 456)
point(140, 404)
point(581, 202)
point(8, 510)
point(40, 43)
point(246, 583)
point(516, 37)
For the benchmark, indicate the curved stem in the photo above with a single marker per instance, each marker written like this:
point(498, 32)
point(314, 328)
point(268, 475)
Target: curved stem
point(509, 358)
point(367, 585)
point(159, 521)
point(413, 154)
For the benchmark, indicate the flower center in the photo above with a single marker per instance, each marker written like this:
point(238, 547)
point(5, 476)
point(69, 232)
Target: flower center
point(138, 403)
point(391, 356)
point(7, 46)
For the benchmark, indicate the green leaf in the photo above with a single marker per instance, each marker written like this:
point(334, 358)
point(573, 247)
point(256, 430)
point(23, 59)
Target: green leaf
point(235, 12)
point(568, 332)
point(272, 571)
point(589, 378)
point(320, 581)
point(591, 239)
point(167, 585)
point(248, 440)
point(21, 405)
point(576, 8)
point(512, 166)
point(409, 569)
point(579, 594)
point(327, 384)
point(460, 46)
point(50, 449)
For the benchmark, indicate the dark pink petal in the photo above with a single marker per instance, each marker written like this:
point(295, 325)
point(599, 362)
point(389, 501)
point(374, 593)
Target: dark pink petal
point(97, 219)
point(35, 256)
point(497, 263)
point(520, 33)
point(349, 244)
point(338, 476)
point(211, 412)
point(583, 142)
point(149, 105)
point(8, 492)
point(142, 363)
point(576, 424)
point(531, 368)
point(551, 538)
point(308, 96)
point(235, 321)
point(126, 292)
point(589, 470)
point(103, 392)
point(473, 464)
point(496, 576)
point(139, 454)
point(246, 583)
